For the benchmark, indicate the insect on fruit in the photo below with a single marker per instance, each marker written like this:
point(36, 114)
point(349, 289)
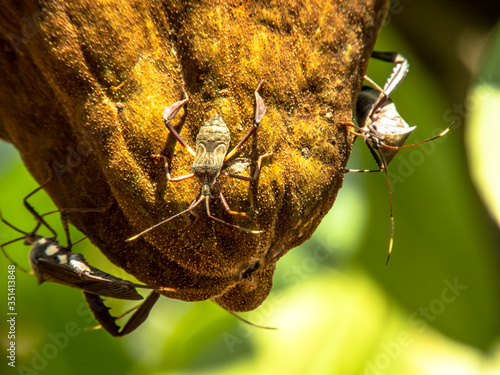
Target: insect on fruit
point(381, 125)
point(53, 262)
point(212, 144)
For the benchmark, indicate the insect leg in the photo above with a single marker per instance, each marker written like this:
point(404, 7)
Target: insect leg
point(260, 110)
point(8, 256)
point(169, 113)
point(141, 314)
point(14, 240)
point(37, 216)
point(64, 219)
point(13, 227)
point(101, 313)
point(379, 158)
point(167, 170)
point(250, 323)
point(391, 241)
point(363, 170)
point(399, 72)
point(228, 224)
point(348, 123)
point(226, 206)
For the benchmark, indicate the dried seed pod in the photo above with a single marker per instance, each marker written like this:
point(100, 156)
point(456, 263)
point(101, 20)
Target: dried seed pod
point(85, 99)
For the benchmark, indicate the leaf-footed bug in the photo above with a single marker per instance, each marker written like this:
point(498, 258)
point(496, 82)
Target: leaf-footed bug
point(212, 144)
point(381, 125)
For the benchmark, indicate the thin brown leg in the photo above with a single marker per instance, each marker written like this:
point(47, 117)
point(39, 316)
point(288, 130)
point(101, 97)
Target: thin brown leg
point(227, 208)
point(169, 113)
point(228, 224)
point(37, 216)
point(64, 219)
point(167, 170)
point(260, 110)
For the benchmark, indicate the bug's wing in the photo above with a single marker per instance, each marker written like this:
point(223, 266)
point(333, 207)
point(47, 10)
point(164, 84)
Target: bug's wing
point(219, 155)
point(62, 274)
point(110, 289)
point(57, 273)
point(201, 155)
point(112, 286)
point(364, 105)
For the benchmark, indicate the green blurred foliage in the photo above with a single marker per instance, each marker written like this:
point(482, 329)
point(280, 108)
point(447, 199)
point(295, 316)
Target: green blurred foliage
point(433, 310)
point(483, 132)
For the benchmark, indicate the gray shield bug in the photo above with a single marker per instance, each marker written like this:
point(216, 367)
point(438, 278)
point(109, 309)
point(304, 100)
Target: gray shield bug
point(212, 144)
point(381, 125)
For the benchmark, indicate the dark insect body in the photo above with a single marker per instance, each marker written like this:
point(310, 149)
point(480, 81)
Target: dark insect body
point(55, 263)
point(52, 262)
point(381, 125)
point(212, 144)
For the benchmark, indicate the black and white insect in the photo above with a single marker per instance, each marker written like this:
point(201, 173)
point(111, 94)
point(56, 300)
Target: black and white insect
point(381, 125)
point(212, 144)
point(53, 262)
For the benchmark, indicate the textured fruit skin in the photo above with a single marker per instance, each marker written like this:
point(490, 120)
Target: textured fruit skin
point(82, 93)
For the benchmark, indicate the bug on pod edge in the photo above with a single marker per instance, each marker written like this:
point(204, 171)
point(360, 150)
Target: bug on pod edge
point(211, 147)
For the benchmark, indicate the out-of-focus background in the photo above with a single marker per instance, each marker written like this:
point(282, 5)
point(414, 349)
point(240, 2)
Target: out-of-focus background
point(433, 310)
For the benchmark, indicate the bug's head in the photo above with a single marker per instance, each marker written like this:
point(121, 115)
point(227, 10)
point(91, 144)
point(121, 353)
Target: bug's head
point(206, 188)
point(31, 238)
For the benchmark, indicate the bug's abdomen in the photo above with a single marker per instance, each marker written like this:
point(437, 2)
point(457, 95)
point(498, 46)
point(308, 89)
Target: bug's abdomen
point(212, 134)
